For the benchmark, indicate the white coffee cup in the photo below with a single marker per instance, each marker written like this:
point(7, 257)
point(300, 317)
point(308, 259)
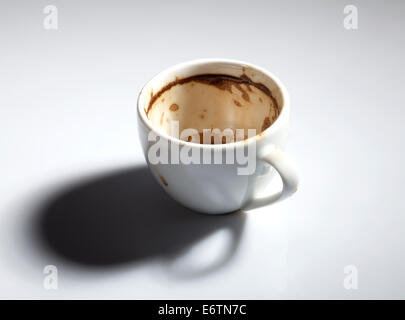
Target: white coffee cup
point(218, 188)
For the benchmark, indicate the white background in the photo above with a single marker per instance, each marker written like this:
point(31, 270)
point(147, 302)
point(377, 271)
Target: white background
point(68, 118)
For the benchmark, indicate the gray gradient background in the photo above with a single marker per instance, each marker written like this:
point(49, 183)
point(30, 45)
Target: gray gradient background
point(67, 111)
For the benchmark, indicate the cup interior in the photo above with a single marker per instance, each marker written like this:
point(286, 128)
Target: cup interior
point(200, 105)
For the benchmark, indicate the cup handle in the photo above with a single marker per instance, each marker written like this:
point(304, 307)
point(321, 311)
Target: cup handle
point(288, 173)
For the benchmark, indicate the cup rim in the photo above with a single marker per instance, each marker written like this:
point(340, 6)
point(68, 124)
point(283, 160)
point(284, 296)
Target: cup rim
point(282, 117)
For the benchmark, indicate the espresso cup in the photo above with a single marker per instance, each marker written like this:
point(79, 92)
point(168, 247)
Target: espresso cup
point(216, 187)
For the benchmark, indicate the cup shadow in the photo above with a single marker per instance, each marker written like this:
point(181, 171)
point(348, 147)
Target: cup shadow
point(125, 217)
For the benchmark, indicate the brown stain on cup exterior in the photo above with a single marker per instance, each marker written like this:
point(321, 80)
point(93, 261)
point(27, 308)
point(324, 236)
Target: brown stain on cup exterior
point(174, 107)
point(163, 180)
point(161, 118)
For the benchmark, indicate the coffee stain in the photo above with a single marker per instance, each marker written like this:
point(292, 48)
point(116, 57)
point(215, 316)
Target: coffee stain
point(194, 139)
point(208, 138)
point(237, 103)
point(260, 99)
point(220, 81)
point(174, 107)
point(204, 110)
point(266, 123)
point(202, 116)
point(161, 118)
point(163, 180)
point(163, 99)
point(245, 95)
point(224, 140)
